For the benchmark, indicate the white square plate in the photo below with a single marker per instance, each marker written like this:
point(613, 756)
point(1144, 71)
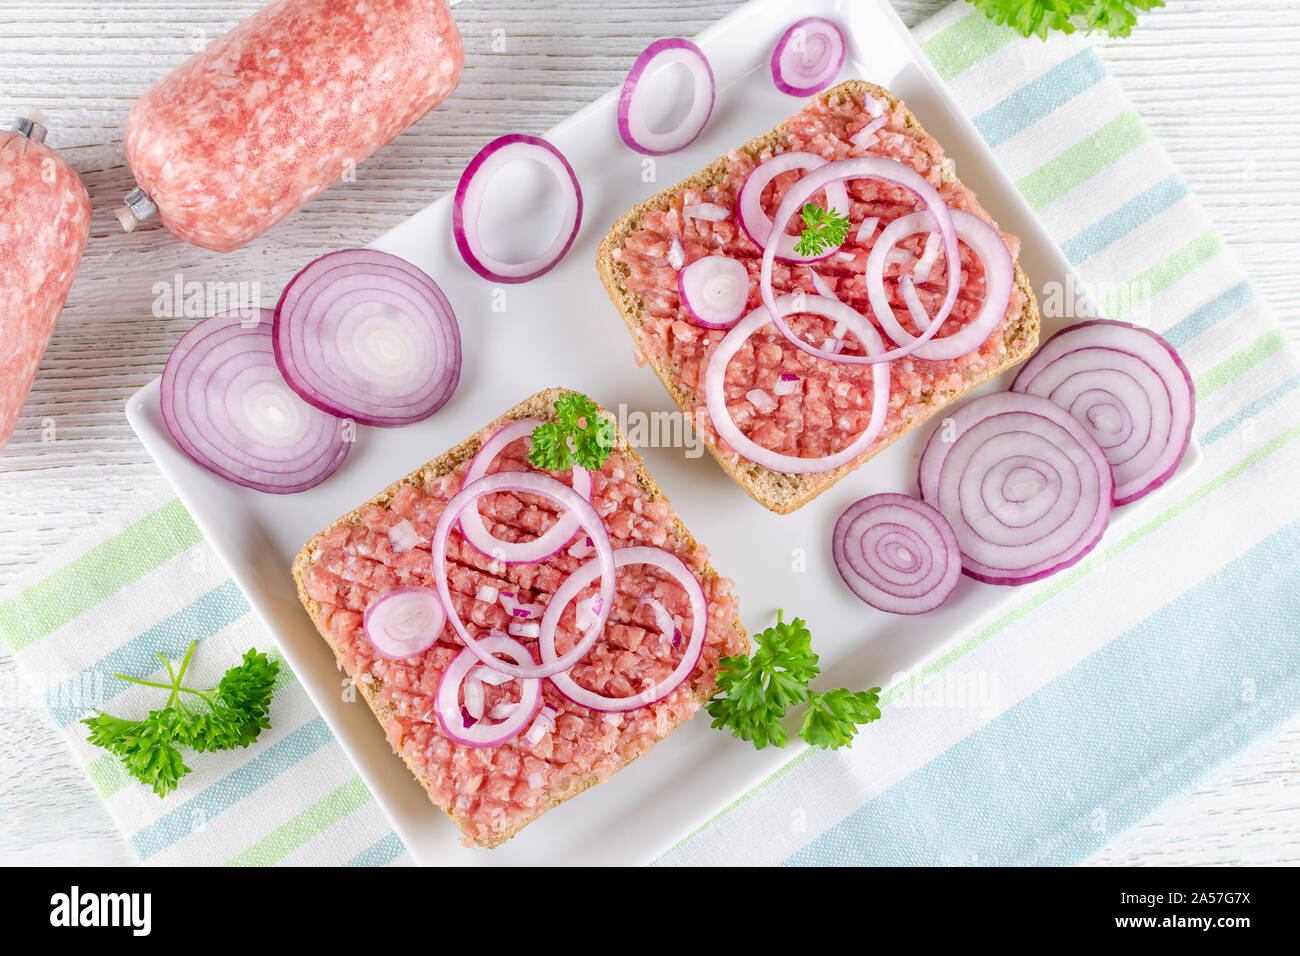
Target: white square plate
point(561, 330)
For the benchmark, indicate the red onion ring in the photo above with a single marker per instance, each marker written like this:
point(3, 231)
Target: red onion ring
point(526, 552)
point(715, 386)
point(472, 190)
point(999, 281)
point(714, 290)
point(896, 553)
point(1025, 487)
point(547, 487)
point(485, 733)
point(566, 592)
point(227, 406)
point(759, 228)
point(869, 167)
point(1129, 389)
point(404, 622)
point(366, 335)
point(632, 125)
point(797, 73)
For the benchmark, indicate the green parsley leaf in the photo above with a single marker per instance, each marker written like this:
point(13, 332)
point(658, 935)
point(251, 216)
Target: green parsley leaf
point(145, 747)
point(579, 435)
point(756, 691)
point(833, 718)
point(1038, 17)
point(826, 229)
point(230, 715)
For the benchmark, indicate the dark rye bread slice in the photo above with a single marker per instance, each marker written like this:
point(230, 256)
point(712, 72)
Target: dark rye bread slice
point(778, 491)
point(541, 406)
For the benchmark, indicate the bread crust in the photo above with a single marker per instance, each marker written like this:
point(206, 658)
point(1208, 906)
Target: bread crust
point(778, 491)
point(540, 405)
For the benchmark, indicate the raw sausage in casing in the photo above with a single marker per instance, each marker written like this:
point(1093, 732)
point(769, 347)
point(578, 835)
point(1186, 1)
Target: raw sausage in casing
point(286, 103)
point(44, 222)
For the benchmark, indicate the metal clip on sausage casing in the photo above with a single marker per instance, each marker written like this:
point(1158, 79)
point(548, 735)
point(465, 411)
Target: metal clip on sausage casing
point(32, 130)
point(135, 209)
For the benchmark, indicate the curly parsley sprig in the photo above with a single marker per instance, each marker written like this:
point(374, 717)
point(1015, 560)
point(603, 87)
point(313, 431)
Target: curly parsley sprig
point(579, 435)
point(1030, 17)
point(224, 717)
point(824, 229)
point(757, 690)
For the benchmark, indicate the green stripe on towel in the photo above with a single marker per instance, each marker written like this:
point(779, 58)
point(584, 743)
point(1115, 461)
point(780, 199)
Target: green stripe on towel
point(292, 834)
point(968, 41)
point(97, 575)
point(1085, 159)
point(1163, 274)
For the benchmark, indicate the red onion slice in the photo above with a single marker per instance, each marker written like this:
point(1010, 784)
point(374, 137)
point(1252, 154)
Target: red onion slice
point(404, 622)
point(1128, 388)
point(758, 227)
point(227, 406)
point(896, 553)
point(664, 621)
point(579, 579)
point(547, 487)
point(632, 124)
point(999, 281)
point(864, 167)
point(472, 190)
point(715, 386)
point(714, 290)
point(808, 57)
point(1025, 487)
point(366, 335)
point(525, 552)
point(485, 732)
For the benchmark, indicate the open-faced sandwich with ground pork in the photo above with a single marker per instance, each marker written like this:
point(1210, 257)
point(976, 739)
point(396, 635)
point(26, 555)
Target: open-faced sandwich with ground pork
point(871, 337)
point(582, 621)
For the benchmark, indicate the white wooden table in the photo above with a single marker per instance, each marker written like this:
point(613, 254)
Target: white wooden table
point(1215, 81)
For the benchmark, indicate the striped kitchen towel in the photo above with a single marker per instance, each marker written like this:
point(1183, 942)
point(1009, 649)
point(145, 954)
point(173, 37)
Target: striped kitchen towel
point(1122, 681)
point(146, 583)
point(1110, 687)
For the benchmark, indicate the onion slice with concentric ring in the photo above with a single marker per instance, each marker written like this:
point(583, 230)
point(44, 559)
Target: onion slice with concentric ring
point(896, 553)
point(808, 57)
point(518, 552)
point(485, 732)
point(227, 406)
point(565, 497)
point(1128, 388)
point(404, 622)
point(574, 583)
point(715, 376)
point(473, 188)
point(364, 334)
point(1025, 488)
point(632, 123)
point(714, 290)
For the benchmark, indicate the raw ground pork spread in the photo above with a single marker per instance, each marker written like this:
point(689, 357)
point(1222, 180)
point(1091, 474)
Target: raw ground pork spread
point(832, 403)
point(490, 790)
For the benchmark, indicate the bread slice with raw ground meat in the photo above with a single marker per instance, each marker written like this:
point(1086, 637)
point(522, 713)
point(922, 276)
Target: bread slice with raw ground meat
point(644, 310)
point(341, 570)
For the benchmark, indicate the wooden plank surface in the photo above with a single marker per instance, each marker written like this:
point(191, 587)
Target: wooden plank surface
point(1215, 81)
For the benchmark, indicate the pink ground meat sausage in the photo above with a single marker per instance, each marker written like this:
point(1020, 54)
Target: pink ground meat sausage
point(44, 222)
point(282, 106)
